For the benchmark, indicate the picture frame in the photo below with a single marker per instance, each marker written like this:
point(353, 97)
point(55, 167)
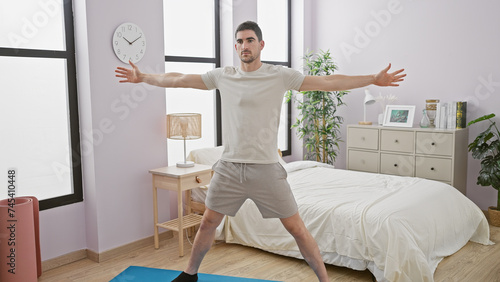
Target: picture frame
point(399, 115)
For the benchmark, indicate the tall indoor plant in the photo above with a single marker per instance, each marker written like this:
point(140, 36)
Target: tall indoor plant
point(486, 147)
point(318, 125)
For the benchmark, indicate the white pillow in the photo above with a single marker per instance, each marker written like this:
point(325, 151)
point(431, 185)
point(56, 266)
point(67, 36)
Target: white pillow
point(209, 156)
point(299, 165)
point(206, 156)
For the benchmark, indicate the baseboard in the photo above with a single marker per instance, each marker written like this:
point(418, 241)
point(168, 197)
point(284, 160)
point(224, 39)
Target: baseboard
point(63, 260)
point(104, 256)
point(109, 254)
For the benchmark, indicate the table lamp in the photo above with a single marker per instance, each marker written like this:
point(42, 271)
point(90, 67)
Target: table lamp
point(185, 126)
point(369, 99)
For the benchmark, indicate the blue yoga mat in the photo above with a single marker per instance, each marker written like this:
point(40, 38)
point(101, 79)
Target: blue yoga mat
point(147, 274)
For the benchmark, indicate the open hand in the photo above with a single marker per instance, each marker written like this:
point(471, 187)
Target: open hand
point(383, 78)
point(133, 75)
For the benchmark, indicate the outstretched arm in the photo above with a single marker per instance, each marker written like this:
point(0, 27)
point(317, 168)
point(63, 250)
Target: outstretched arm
point(338, 82)
point(172, 79)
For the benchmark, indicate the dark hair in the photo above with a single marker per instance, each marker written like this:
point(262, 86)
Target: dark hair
point(249, 25)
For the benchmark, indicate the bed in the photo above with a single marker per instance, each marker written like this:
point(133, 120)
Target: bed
point(399, 228)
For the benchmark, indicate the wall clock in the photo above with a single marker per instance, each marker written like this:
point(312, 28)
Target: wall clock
point(129, 43)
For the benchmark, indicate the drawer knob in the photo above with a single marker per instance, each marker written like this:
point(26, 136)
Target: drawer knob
point(198, 179)
point(395, 165)
point(433, 143)
point(432, 168)
point(396, 141)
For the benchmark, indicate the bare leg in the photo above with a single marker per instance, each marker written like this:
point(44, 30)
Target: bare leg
point(203, 240)
point(307, 245)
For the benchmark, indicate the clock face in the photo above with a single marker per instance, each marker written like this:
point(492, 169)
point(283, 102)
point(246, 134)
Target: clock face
point(129, 43)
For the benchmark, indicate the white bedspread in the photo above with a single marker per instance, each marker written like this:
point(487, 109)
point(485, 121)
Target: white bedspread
point(398, 227)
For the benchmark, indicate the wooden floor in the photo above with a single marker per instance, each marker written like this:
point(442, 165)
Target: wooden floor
point(473, 263)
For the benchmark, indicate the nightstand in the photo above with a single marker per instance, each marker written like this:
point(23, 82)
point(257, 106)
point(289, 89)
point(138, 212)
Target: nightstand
point(180, 180)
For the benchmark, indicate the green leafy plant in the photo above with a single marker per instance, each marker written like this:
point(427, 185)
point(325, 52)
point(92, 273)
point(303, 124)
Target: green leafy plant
point(486, 147)
point(317, 124)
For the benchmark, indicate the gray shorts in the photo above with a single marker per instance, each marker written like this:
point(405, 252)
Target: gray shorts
point(265, 184)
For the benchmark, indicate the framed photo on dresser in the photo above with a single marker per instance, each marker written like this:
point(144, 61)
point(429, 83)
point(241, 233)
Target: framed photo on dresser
point(399, 115)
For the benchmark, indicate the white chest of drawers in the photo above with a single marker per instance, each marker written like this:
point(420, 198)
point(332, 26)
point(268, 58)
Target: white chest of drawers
point(437, 154)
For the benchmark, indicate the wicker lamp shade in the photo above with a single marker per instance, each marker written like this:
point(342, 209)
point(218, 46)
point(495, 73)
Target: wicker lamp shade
point(185, 126)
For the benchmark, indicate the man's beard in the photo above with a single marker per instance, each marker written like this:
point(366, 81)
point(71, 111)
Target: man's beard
point(248, 59)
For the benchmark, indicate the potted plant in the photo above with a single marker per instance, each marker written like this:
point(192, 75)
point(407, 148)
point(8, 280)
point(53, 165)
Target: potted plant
point(318, 125)
point(486, 147)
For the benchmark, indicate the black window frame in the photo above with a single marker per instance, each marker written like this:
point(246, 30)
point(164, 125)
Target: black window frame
point(69, 55)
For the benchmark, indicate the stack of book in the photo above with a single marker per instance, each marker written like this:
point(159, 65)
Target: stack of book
point(451, 115)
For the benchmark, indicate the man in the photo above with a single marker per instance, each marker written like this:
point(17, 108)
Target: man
point(251, 96)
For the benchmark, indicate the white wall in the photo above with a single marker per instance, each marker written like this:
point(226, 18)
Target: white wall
point(450, 50)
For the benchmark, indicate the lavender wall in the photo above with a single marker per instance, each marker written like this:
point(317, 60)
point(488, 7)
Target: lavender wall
point(123, 135)
point(450, 50)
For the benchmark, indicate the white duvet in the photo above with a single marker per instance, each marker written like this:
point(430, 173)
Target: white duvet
point(399, 228)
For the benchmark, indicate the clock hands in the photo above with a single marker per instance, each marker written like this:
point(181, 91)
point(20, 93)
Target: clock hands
point(136, 39)
point(130, 43)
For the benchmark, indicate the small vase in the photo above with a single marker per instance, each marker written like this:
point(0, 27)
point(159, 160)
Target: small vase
point(380, 119)
point(425, 122)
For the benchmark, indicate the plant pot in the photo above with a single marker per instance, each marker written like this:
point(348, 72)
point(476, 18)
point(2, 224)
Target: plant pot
point(494, 216)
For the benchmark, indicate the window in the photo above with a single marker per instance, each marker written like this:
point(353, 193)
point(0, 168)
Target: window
point(198, 52)
point(39, 115)
point(274, 18)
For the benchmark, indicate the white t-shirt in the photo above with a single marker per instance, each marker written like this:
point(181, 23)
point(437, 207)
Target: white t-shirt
point(251, 106)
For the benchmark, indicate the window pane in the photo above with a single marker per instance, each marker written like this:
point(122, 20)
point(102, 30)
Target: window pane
point(32, 24)
point(272, 16)
point(189, 28)
point(191, 101)
point(34, 126)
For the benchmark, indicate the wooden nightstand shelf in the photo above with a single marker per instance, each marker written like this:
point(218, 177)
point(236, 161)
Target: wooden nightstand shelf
point(180, 180)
